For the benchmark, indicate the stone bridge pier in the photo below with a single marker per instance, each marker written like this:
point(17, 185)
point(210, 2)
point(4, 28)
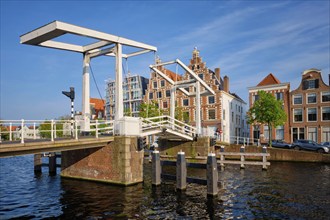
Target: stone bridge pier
point(119, 162)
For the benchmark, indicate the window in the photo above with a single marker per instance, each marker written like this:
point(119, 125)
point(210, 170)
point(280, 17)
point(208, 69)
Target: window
point(211, 99)
point(155, 85)
point(151, 95)
point(297, 99)
point(311, 98)
point(325, 113)
point(232, 116)
point(325, 96)
point(162, 83)
point(159, 95)
point(168, 93)
point(312, 114)
point(185, 102)
point(266, 132)
point(311, 84)
point(279, 95)
point(201, 74)
point(298, 133)
point(312, 134)
point(325, 134)
point(255, 98)
point(165, 105)
point(280, 132)
point(224, 114)
point(211, 114)
point(297, 115)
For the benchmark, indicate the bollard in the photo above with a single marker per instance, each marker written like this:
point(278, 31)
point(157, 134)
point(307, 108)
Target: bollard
point(264, 158)
point(242, 150)
point(37, 163)
point(156, 169)
point(181, 171)
point(52, 163)
point(212, 175)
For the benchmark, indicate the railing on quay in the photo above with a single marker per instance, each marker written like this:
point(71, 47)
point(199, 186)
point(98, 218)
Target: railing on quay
point(21, 130)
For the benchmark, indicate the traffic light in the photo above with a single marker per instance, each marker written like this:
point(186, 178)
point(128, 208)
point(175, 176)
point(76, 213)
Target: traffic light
point(142, 143)
point(69, 94)
point(212, 141)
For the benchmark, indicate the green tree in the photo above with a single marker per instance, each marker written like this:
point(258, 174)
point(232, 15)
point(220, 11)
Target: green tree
point(150, 110)
point(45, 129)
point(127, 112)
point(4, 131)
point(181, 115)
point(267, 110)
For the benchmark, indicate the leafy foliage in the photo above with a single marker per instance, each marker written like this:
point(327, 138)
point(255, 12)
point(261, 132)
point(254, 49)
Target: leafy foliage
point(267, 110)
point(150, 110)
point(45, 129)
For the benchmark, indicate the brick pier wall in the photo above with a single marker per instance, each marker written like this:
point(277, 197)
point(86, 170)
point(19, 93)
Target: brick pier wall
point(200, 147)
point(119, 162)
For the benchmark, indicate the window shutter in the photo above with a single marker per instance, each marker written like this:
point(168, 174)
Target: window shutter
point(305, 85)
point(316, 83)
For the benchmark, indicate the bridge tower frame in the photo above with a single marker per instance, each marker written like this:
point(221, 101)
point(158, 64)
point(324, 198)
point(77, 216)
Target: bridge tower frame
point(181, 85)
point(107, 45)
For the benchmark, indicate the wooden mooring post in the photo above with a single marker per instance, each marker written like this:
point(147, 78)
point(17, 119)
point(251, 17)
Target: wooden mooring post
point(242, 154)
point(181, 172)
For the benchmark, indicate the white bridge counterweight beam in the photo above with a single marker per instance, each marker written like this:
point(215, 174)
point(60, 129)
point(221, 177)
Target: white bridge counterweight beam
point(196, 77)
point(198, 109)
point(119, 83)
point(168, 79)
point(86, 95)
point(172, 105)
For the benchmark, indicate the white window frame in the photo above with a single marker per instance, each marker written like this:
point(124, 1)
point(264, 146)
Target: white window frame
point(322, 113)
point(322, 97)
point(302, 115)
point(307, 119)
point(308, 94)
point(295, 96)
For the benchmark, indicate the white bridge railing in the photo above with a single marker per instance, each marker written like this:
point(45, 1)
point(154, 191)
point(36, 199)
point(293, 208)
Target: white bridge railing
point(21, 130)
point(166, 122)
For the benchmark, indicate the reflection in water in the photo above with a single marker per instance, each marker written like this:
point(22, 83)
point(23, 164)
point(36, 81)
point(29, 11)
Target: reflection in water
point(285, 191)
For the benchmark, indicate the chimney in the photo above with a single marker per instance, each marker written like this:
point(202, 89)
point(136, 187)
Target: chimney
point(226, 84)
point(217, 72)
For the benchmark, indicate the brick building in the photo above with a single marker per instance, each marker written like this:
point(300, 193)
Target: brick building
point(310, 108)
point(97, 108)
point(281, 91)
point(211, 105)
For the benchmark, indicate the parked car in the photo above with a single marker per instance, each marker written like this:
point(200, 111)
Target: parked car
point(281, 144)
point(326, 144)
point(309, 145)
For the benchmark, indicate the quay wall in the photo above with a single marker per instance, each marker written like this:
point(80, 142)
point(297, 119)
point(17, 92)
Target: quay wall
point(278, 154)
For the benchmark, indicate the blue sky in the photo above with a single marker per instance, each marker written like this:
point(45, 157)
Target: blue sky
point(246, 39)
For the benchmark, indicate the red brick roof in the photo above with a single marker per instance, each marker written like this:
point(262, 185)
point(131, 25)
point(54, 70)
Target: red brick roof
point(98, 103)
point(172, 75)
point(269, 80)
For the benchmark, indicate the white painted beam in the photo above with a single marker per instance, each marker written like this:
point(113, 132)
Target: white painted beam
point(98, 52)
point(62, 46)
point(195, 76)
point(168, 79)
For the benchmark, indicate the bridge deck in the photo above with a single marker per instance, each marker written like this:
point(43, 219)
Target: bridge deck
point(14, 149)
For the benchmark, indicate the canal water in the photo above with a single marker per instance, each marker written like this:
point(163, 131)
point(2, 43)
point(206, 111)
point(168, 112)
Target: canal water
point(284, 191)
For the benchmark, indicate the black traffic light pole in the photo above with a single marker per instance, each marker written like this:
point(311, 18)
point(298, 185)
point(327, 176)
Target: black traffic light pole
point(71, 96)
